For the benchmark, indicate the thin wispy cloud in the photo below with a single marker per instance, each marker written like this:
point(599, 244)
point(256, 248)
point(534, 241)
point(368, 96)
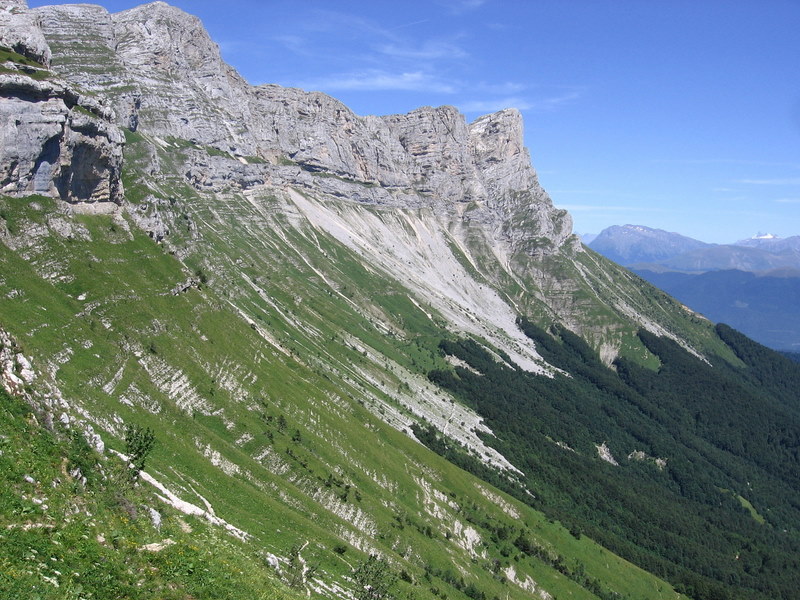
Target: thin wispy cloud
point(788, 200)
point(405, 25)
point(555, 101)
point(378, 58)
point(777, 181)
point(519, 102)
point(725, 161)
point(377, 80)
point(461, 6)
point(500, 89)
point(293, 43)
point(585, 192)
point(429, 50)
point(603, 207)
point(321, 21)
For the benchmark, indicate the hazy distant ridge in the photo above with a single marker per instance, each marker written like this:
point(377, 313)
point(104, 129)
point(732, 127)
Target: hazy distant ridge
point(752, 284)
point(659, 250)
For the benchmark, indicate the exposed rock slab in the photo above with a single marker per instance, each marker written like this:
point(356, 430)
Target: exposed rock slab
point(52, 144)
point(166, 78)
point(53, 140)
point(19, 31)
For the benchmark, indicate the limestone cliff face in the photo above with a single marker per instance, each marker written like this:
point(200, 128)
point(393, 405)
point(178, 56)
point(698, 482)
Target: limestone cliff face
point(454, 192)
point(53, 140)
point(19, 31)
point(166, 78)
point(56, 143)
point(159, 66)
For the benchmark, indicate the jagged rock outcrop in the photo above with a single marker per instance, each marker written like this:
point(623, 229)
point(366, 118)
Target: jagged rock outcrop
point(497, 147)
point(15, 367)
point(56, 143)
point(429, 157)
point(19, 31)
point(191, 93)
point(53, 140)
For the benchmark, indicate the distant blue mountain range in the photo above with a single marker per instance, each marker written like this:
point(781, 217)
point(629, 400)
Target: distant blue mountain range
point(657, 250)
point(752, 285)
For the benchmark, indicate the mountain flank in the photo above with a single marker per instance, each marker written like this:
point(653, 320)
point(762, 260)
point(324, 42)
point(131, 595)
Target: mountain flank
point(255, 345)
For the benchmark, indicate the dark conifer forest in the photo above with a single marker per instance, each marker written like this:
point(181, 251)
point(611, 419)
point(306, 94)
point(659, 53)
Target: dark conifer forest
point(705, 489)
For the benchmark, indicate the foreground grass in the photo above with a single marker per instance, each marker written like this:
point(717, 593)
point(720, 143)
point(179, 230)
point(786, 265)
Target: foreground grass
point(66, 539)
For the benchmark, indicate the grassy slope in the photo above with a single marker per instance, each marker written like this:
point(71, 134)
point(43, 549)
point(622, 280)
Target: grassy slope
point(96, 309)
point(65, 539)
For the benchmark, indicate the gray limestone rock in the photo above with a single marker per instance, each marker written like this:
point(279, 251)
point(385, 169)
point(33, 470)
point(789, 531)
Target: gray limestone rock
point(55, 142)
point(166, 78)
point(19, 31)
point(149, 218)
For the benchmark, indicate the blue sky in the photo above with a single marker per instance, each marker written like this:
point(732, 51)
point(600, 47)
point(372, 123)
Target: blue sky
point(679, 115)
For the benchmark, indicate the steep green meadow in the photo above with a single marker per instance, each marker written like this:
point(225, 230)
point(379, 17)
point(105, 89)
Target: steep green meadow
point(264, 420)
